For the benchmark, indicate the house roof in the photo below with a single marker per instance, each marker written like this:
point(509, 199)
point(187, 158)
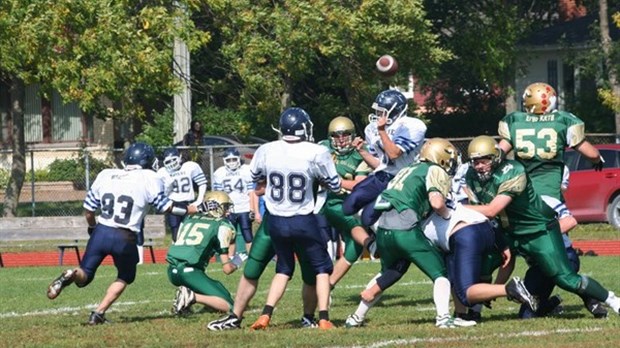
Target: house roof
point(577, 31)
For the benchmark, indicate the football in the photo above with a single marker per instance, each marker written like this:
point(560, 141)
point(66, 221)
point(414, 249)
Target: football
point(387, 65)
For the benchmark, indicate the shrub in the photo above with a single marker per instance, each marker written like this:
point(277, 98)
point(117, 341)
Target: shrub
point(5, 174)
point(74, 169)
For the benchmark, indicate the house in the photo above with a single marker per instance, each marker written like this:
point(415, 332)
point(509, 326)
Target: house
point(547, 56)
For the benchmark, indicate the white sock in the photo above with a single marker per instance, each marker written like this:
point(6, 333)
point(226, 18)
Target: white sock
point(140, 254)
point(364, 306)
point(613, 302)
point(441, 296)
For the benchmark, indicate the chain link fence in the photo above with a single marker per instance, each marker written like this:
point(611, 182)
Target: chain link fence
point(57, 179)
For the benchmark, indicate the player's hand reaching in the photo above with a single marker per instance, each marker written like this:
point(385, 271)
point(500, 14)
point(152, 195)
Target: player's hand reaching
point(599, 165)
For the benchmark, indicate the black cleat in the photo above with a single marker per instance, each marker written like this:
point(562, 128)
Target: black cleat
point(517, 292)
point(97, 318)
point(229, 322)
point(65, 279)
point(596, 308)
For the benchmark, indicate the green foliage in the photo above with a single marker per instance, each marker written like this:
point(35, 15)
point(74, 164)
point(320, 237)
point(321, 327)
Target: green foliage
point(98, 49)
point(215, 121)
point(74, 169)
point(5, 174)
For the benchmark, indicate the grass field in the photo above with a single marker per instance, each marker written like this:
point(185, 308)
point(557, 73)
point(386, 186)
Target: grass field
point(405, 317)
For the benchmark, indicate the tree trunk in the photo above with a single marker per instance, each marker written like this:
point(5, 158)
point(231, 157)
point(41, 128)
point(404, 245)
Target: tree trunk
point(612, 74)
point(18, 168)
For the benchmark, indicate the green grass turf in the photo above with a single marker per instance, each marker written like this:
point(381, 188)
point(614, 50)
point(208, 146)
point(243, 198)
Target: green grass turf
point(405, 317)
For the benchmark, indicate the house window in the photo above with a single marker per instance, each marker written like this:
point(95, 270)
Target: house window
point(552, 73)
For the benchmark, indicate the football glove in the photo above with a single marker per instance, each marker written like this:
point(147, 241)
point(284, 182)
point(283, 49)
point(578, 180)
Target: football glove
point(252, 216)
point(202, 207)
point(599, 166)
point(238, 259)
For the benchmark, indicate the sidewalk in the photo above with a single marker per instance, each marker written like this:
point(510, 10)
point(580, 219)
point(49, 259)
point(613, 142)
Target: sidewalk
point(50, 258)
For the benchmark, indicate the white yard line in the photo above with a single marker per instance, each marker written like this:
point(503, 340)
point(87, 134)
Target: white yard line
point(413, 341)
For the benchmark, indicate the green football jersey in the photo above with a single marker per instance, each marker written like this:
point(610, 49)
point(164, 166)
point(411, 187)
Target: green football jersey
point(199, 238)
point(538, 142)
point(410, 187)
point(526, 213)
point(348, 166)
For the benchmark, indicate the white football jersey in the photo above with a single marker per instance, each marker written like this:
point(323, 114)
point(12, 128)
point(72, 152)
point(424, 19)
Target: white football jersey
point(124, 195)
point(407, 133)
point(237, 183)
point(438, 230)
point(179, 185)
point(290, 170)
point(458, 183)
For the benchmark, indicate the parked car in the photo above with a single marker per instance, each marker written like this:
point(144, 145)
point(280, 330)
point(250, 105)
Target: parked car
point(594, 196)
point(217, 144)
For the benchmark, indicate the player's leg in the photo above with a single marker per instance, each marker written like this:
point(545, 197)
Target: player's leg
point(125, 256)
point(547, 251)
point(174, 221)
point(261, 253)
point(280, 229)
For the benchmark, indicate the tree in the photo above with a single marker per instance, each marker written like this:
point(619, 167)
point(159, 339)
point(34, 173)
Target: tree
point(90, 51)
point(611, 94)
point(320, 53)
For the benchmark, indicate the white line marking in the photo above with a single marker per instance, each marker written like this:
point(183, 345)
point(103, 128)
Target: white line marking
point(413, 341)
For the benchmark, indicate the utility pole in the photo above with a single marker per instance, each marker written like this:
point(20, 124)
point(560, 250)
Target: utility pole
point(183, 99)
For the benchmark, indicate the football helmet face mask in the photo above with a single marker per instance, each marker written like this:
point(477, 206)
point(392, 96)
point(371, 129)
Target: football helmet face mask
point(295, 125)
point(539, 98)
point(218, 204)
point(140, 155)
point(484, 156)
point(441, 152)
point(172, 159)
point(341, 132)
point(390, 102)
point(232, 159)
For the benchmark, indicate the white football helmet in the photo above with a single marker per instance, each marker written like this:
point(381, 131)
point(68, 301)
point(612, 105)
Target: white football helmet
point(232, 159)
point(172, 159)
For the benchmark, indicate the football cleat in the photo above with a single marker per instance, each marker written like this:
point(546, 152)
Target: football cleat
point(471, 315)
point(65, 279)
point(460, 322)
point(183, 300)
point(97, 318)
point(228, 322)
point(325, 324)
point(517, 292)
point(261, 323)
point(308, 323)
point(595, 307)
point(444, 322)
point(353, 320)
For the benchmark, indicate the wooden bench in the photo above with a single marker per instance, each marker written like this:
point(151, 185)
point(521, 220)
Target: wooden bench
point(75, 245)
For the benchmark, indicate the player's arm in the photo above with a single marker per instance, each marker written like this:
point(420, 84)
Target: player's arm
point(90, 220)
point(227, 266)
point(491, 210)
point(438, 203)
point(391, 149)
point(372, 161)
point(505, 146)
point(586, 149)
point(202, 190)
point(349, 184)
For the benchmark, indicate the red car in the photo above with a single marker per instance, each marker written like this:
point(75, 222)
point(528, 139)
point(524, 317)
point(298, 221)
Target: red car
point(594, 196)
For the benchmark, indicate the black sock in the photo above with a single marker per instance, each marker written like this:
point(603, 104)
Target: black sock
point(323, 315)
point(309, 316)
point(268, 310)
